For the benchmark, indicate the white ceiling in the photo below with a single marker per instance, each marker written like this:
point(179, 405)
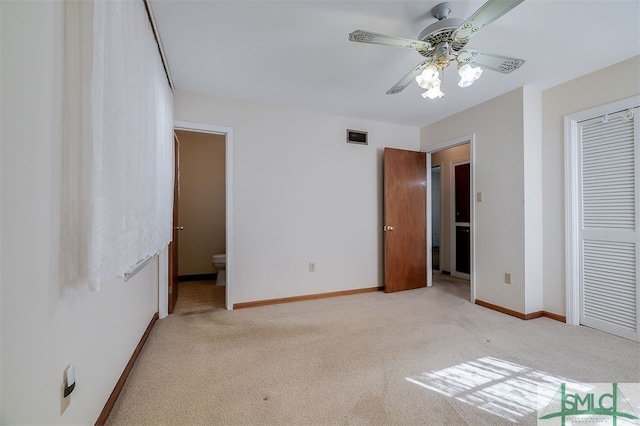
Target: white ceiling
point(296, 53)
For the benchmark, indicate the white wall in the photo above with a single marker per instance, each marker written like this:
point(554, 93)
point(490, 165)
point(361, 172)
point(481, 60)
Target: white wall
point(619, 81)
point(498, 172)
point(301, 194)
point(45, 324)
point(532, 169)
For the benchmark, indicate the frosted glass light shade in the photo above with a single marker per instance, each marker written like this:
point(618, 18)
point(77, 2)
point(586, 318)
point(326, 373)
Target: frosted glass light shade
point(429, 78)
point(468, 75)
point(433, 93)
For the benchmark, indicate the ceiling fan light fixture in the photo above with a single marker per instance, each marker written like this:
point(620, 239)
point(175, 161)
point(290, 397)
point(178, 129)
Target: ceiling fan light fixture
point(433, 93)
point(429, 77)
point(444, 42)
point(468, 74)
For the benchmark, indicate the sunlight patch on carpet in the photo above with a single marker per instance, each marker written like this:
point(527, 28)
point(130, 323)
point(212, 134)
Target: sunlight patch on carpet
point(496, 386)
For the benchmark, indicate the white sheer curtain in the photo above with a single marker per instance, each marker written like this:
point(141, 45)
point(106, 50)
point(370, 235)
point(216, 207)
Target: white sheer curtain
point(130, 141)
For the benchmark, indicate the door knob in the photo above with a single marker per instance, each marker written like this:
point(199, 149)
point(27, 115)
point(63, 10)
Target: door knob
point(179, 228)
point(387, 228)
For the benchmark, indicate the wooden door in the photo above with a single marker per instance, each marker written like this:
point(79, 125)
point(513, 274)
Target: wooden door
point(405, 213)
point(173, 246)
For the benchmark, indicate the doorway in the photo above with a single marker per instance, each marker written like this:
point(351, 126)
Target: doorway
point(227, 246)
point(201, 220)
point(454, 242)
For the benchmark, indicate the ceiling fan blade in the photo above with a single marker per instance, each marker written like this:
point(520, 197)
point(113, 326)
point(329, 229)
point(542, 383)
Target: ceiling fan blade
point(410, 77)
point(503, 64)
point(374, 38)
point(489, 12)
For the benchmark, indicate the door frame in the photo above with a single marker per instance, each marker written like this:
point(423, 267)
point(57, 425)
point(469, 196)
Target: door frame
point(470, 139)
point(163, 275)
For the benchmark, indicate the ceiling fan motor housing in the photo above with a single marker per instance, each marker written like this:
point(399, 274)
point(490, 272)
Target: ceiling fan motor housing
point(440, 32)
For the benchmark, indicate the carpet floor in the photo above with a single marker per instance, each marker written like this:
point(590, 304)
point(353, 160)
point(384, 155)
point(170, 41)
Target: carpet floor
point(418, 357)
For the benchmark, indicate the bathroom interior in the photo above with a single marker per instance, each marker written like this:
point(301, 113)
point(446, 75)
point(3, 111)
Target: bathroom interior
point(201, 213)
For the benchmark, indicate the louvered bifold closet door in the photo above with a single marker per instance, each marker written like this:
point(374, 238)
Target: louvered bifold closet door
point(610, 185)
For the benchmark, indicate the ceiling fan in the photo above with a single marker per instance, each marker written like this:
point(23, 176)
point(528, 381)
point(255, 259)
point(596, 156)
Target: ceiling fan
point(444, 42)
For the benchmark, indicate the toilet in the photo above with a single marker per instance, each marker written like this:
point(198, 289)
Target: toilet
point(220, 263)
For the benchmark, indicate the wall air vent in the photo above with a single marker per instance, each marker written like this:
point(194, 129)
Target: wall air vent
point(357, 136)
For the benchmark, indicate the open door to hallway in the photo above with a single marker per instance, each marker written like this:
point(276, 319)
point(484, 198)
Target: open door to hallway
point(455, 211)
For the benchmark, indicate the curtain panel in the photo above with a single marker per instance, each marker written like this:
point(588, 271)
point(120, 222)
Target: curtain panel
point(117, 166)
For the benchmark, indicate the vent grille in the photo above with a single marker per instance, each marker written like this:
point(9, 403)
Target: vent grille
point(357, 136)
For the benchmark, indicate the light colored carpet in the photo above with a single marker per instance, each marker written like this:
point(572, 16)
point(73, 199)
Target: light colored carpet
point(198, 296)
point(418, 357)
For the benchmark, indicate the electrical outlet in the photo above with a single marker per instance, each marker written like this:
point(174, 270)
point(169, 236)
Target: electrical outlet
point(68, 385)
point(64, 401)
point(507, 278)
point(312, 267)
